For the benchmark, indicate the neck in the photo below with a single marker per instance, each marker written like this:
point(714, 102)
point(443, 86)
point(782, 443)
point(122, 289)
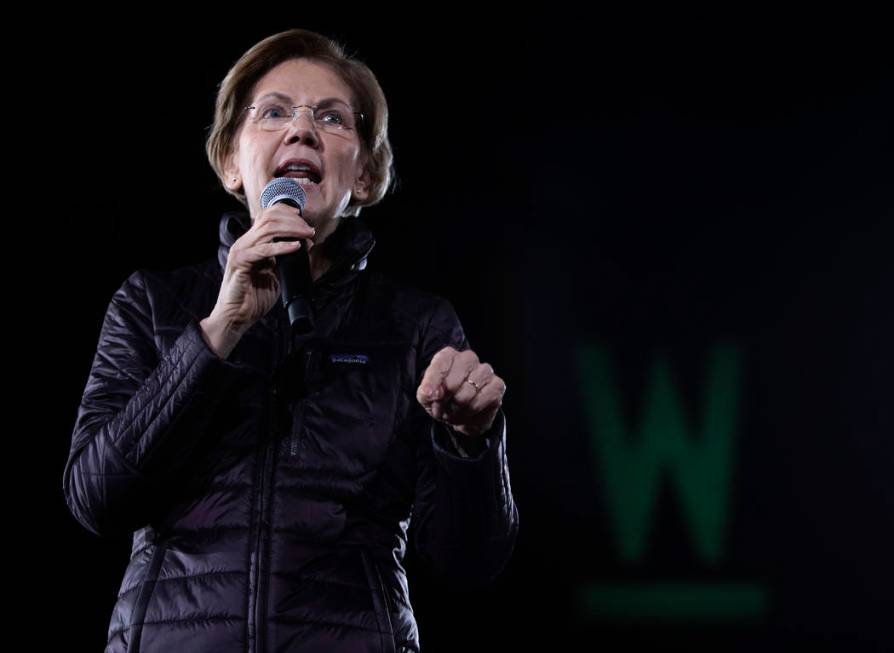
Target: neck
point(318, 262)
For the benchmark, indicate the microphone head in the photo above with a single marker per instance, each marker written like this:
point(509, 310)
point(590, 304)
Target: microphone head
point(284, 189)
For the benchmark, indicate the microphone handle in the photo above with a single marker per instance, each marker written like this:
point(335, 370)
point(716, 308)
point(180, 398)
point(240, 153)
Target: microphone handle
point(293, 270)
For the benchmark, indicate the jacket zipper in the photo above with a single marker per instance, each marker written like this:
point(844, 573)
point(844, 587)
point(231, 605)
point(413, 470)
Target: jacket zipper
point(296, 430)
point(257, 600)
point(258, 596)
point(256, 612)
point(299, 417)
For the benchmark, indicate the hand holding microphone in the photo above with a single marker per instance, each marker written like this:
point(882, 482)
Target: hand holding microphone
point(252, 282)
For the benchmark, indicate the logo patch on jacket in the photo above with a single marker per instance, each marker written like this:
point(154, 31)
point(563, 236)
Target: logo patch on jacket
point(351, 359)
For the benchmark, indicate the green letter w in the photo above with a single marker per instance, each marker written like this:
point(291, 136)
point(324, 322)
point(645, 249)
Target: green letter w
point(633, 466)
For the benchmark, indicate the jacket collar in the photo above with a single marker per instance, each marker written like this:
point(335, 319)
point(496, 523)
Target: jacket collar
point(348, 247)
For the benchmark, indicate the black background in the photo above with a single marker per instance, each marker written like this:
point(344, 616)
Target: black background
point(657, 184)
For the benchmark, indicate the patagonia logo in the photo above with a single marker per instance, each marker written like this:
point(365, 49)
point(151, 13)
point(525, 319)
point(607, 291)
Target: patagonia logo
point(351, 359)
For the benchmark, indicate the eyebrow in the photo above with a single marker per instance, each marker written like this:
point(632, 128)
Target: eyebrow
point(285, 98)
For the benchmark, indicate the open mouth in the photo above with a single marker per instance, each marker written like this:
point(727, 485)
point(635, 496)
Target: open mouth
point(306, 173)
point(305, 181)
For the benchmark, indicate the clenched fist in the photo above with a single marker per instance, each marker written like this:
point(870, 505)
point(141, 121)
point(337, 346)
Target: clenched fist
point(460, 391)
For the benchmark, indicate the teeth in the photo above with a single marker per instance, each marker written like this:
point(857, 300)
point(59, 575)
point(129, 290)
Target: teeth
point(295, 167)
point(305, 181)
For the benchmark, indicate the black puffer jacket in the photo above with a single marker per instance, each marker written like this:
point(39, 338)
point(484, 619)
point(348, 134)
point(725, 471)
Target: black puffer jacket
point(269, 495)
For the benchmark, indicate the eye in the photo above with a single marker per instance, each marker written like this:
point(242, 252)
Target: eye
point(332, 116)
point(272, 111)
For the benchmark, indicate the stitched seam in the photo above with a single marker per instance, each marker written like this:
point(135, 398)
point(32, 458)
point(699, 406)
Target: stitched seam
point(316, 579)
point(181, 621)
point(164, 580)
point(299, 620)
point(171, 533)
point(171, 398)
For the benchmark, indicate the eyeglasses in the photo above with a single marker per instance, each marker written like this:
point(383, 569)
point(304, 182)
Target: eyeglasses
point(273, 115)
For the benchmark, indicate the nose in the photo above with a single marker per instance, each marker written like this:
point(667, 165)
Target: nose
point(302, 127)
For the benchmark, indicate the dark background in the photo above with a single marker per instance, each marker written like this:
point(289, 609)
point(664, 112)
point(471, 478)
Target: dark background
point(654, 185)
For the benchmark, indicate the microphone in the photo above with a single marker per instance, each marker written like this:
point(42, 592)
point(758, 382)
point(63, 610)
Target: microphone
point(293, 268)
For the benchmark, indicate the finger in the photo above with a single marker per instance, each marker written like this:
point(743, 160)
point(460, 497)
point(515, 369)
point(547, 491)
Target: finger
point(260, 255)
point(431, 387)
point(278, 211)
point(485, 402)
point(292, 215)
point(463, 364)
point(457, 405)
point(472, 385)
point(281, 221)
point(490, 394)
point(446, 411)
point(272, 250)
point(266, 252)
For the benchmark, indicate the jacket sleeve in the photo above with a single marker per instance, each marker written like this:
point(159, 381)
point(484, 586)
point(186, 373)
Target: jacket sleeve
point(464, 516)
point(141, 414)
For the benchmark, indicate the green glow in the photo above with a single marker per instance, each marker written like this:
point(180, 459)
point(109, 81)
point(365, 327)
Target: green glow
point(676, 601)
point(632, 467)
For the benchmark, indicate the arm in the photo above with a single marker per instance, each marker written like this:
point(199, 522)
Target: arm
point(140, 416)
point(465, 519)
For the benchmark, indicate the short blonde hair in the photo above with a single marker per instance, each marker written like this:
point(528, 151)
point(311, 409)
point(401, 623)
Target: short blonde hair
point(233, 96)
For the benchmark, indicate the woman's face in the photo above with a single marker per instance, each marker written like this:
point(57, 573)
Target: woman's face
point(338, 156)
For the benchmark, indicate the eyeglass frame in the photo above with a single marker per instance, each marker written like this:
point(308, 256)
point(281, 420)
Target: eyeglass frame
point(313, 108)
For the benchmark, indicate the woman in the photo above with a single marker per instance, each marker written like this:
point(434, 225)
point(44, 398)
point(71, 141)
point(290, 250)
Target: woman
point(269, 480)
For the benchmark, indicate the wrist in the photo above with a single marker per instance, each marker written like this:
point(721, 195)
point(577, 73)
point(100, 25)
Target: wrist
point(473, 444)
point(220, 334)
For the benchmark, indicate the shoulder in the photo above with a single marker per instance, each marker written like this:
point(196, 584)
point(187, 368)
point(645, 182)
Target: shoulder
point(181, 279)
point(187, 287)
point(430, 317)
point(407, 300)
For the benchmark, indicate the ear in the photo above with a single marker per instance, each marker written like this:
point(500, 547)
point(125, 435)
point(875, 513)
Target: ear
point(232, 170)
point(362, 185)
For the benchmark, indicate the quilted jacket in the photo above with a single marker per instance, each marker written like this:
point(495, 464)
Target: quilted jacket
point(269, 495)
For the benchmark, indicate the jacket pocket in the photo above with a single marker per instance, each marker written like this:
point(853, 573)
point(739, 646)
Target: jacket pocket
point(138, 615)
point(381, 604)
point(354, 393)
